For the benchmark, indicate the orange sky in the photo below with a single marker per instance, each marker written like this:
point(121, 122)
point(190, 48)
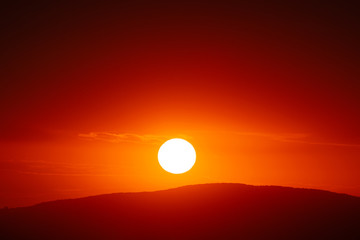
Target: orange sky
point(267, 93)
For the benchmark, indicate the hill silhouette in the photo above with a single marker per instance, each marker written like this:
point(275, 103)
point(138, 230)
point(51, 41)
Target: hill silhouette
point(208, 211)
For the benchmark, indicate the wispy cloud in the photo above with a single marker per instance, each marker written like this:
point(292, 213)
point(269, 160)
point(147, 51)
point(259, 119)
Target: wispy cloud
point(55, 168)
point(124, 137)
point(274, 136)
point(296, 138)
point(301, 138)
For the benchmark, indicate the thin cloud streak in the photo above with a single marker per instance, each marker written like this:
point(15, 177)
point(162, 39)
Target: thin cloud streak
point(68, 174)
point(295, 138)
point(124, 137)
point(301, 138)
point(50, 168)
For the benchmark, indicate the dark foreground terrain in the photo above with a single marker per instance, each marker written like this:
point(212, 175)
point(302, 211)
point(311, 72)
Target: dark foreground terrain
point(210, 211)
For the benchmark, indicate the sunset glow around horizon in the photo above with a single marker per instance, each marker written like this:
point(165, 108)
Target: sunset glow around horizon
point(267, 94)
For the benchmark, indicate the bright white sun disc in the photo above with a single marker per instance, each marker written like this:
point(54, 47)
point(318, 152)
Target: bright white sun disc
point(177, 156)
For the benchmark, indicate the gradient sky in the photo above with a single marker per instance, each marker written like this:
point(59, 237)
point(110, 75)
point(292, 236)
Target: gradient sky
point(267, 92)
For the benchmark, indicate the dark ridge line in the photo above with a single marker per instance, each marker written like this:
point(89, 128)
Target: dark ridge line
point(186, 187)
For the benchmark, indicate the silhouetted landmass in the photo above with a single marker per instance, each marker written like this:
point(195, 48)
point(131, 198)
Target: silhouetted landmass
point(209, 211)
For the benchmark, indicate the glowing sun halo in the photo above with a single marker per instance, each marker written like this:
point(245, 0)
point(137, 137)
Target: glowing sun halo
point(176, 156)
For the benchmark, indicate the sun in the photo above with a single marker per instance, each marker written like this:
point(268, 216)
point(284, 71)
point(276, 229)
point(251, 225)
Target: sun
point(177, 156)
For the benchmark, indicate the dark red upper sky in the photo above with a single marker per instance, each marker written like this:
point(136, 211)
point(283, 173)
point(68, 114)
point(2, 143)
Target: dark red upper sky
point(198, 68)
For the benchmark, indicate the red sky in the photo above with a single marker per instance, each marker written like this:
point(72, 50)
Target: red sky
point(267, 92)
